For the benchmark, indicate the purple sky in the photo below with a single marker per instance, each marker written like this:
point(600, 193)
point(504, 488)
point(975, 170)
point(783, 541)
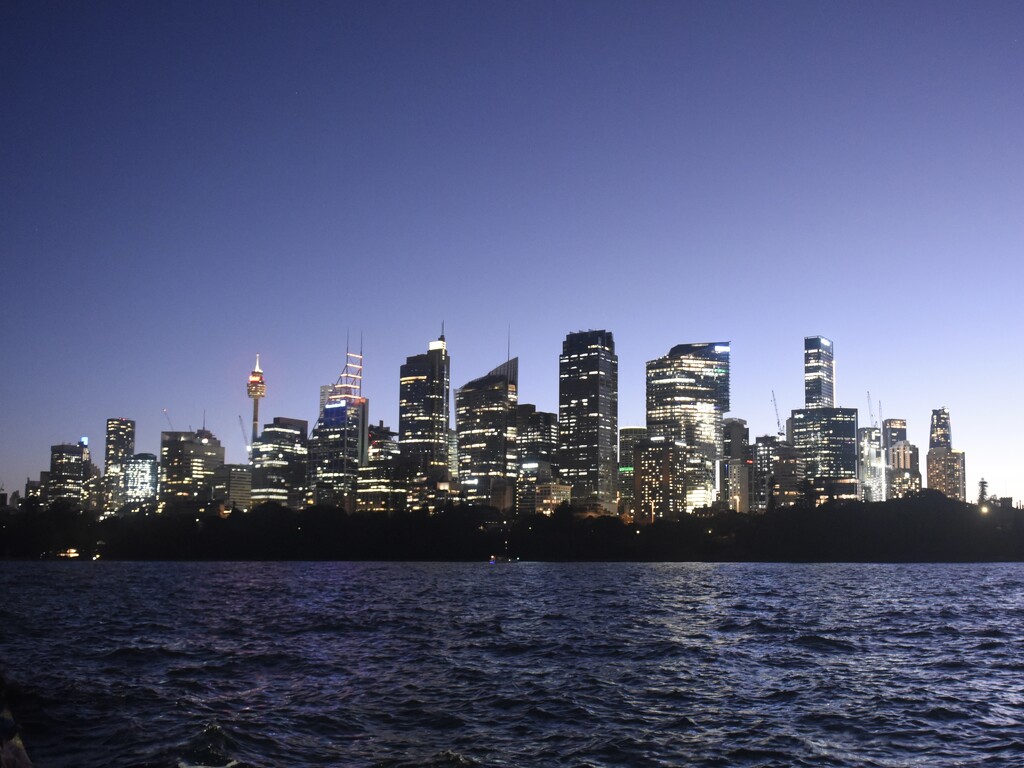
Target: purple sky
point(188, 184)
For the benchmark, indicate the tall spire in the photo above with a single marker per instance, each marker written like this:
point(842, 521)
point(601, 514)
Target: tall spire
point(257, 369)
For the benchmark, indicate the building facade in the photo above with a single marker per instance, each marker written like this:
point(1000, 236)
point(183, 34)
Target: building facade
point(280, 463)
point(819, 373)
point(687, 399)
point(187, 462)
point(486, 424)
point(588, 418)
point(946, 467)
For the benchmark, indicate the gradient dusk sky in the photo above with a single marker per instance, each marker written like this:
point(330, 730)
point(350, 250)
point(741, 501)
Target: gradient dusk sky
point(186, 184)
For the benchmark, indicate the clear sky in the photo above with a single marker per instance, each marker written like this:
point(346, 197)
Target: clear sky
point(185, 184)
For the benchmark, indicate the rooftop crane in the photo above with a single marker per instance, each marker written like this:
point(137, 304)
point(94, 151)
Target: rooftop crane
point(245, 437)
point(778, 421)
point(168, 417)
point(871, 410)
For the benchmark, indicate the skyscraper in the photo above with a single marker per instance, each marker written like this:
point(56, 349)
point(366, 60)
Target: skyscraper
point(819, 373)
point(736, 465)
point(187, 462)
point(69, 470)
point(424, 422)
point(629, 438)
point(827, 441)
point(256, 389)
point(946, 467)
point(280, 463)
point(660, 476)
point(903, 470)
point(872, 464)
point(588, 417)
point(777, 474)
point(141, 477)
point(120, 447)
point(485, 420)
point(338, 444)
point(383, 480)
point(687, 398)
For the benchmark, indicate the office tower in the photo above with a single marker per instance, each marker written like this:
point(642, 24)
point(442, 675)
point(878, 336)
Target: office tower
point(383, 480)
point(424, 423)
point(660, 472)
point(280, 463)
point(687, 398)
point(256, 388)
point(629, 437)
point(140, 479)
point(537, 447)
point(826, 439)
point(485, 420)
point(69, 470)
point(893, 431)
point(588, 417)
point(946, 467)
point(872, 464)
point(734, 479)
point(187, 462)
point(819, 373)
point(423, 415)
point(903, 470)
point(120, 447)
point(232, 487)
point(777, 474)
point(940, 435)
point(338, 444)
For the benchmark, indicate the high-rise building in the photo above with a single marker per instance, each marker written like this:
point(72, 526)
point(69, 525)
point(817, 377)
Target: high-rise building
point(893, 431)
point(256, 388)
point(777, 474)
point(826, 439)
point(588, 417)
point(629, 438)
point(819, 373)
point(140, 479)
point(232, 487)
point(187, 462)
point(903, 470)
point(383, 480)
point(736, 465)
point(338, 444)
point(280, 463)
point(946, 467)
point(872, 464)
point(660, 474)
point(69, 471)
point(537, 448)
point(485, 420)
point(423, 409)
point(120, 446)
point(687, 398)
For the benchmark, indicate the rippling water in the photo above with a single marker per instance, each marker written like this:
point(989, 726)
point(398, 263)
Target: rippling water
point(526, 664)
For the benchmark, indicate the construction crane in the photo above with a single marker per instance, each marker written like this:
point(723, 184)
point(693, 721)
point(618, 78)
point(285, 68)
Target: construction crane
point(871, 410)
point(245, 436)
point(168, 417)
point(778, 421)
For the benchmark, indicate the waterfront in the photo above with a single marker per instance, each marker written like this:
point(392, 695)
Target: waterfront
point(157, 664)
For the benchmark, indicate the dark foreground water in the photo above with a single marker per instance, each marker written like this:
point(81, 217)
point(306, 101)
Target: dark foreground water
point(527, 664)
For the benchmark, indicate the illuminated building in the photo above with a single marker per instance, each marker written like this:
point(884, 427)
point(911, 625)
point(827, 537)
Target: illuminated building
point(903, 470)
point(485, 420)
point(946, 467)
point(893, 431)
point(687, 398)
point(660, 476)
point(629, 437)
point(338, 444)
point(827, 441)
point(280, 464)
point(424, 423)
point(872, 464)
point(69, 471)
point(537, 449)
point(736, 465)
point(588, 417)
point(383, 480)
point(140, 479)
point(120, 446)
point(256, 388)
point(232, 487)
point(777, 474)
point(819, 373)
point(187, 462)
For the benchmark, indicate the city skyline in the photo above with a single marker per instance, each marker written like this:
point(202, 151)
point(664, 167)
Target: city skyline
point(753, 173)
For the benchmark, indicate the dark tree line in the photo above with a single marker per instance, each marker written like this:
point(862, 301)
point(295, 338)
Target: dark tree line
point(928, 527)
